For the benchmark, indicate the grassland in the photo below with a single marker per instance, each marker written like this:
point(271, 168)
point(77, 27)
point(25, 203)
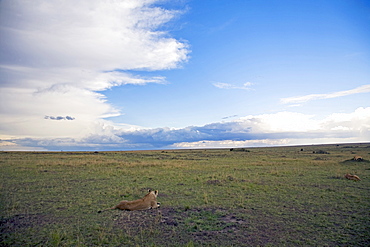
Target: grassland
point(282, 196)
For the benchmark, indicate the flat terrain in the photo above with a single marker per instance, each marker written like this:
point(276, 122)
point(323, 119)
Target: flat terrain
point(281, 196)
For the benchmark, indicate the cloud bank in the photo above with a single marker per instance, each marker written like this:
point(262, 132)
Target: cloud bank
point(284, 128)
point(55, 57)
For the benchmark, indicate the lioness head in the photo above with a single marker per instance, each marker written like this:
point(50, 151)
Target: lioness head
point(154, 192)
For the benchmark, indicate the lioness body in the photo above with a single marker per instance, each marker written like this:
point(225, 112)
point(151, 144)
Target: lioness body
point(149, 201)
point(358, 158)
point(352, 177)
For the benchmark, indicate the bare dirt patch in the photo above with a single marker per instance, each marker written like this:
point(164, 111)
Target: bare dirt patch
point(23, 221)
point(209, 226)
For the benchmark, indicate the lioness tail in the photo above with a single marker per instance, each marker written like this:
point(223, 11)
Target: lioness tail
point(106, 209)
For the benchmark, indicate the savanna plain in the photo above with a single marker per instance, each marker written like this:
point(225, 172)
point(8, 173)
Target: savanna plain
point(278, 196)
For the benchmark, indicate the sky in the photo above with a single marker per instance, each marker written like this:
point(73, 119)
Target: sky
point(168, 74)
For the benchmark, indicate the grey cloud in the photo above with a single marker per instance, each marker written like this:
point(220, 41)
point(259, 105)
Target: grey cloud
point(233, 116)
point(162, 137)
point(59, 118)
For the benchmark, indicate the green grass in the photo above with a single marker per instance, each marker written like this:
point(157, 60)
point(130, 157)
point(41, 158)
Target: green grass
point(259, 196)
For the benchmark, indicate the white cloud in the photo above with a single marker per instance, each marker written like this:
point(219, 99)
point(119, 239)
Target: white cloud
point(57, 55)
point(100, 35)
point(222, 85)
point(290, 128)
point(302, 99)
point(281, 122)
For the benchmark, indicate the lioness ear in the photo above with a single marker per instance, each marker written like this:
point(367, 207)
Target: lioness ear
point(149, 190)
point(156, 192)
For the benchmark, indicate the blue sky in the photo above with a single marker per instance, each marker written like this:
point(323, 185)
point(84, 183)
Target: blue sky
point(145, 74)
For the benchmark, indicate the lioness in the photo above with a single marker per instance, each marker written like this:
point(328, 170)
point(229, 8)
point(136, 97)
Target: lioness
point(147, 202)
point(358, 158)
point(352, 177)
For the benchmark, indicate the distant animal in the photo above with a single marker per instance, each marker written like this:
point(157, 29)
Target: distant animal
point(358, 158)
point(352, 177)
point(149, 201)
